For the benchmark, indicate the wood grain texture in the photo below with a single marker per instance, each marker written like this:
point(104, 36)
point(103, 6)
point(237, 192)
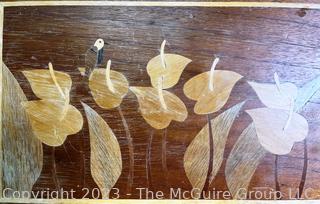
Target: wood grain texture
point(197, 157)
point(44, 87)
point(269, 125)
point(170, 70)
point(240, 4)
point(52, 118)
point(1, 90)
point(210, 100)
point(153, 112)
point(262, 118)
point(243, 160)
point(21, 150)
point(273, 97)
point(105, 160)
point(52, 121)
point(108, 95)
point(251, 42)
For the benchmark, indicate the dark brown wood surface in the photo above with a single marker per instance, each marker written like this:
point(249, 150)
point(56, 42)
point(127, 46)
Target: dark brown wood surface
point(253, 42)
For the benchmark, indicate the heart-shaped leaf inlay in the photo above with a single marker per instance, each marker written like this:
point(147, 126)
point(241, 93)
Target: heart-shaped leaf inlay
point(210, 101)
point(153, 112)
point(275, 97)
point(52, 118)
point(52, 121)
point(108, 87)
point(175, 64)
point(45, 87)
point(270, 127)
point(169, 67)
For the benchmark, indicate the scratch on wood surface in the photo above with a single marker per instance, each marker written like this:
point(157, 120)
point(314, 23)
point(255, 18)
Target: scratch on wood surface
point(164, 154)
point(66, 151)
point(83, 162)
point(54, 169)
point(131, 151)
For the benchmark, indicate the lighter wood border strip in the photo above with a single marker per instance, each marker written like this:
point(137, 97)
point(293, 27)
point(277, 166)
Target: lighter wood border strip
point(131, 4)
point(165, 4)
point(1, 47)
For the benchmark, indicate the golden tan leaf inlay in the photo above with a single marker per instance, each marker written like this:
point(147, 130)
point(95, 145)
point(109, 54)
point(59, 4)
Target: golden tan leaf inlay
point(153, 112)
point(166, 66)
point(108, 87)
point(105, 157)
point(197, 156)
point(211, 89)
point(52, 118)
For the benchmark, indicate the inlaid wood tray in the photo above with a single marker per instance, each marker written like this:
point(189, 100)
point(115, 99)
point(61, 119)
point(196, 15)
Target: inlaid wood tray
point(160, 100)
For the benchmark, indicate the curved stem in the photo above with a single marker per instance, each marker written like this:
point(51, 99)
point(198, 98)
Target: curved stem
point(83, 163)
point(277, 80)
point(276, 178)
point(163, 62)
point(290, 115)
point(160, 93)
point(108, 79)
point(164, 153)
point(207, 183)
point(131, 151)
point(148, 160)
point(53, 76)
point(65, 95)
point(54, 169)
point(213, 67)
point(66, 105)
point(304, 171)
point(278, 85)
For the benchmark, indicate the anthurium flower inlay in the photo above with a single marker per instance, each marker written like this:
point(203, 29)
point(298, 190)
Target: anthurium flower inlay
point(154, 112)
point(52, 118)
point(278, 126)
point(157, 106)
point(211, 89)
point(108, 87)
point(168, 66)
point(277, 95)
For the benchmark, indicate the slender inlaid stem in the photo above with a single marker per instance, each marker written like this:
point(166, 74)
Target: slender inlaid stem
point(108, 78)
point(213, 67)
point(207, 182)
point(131, 151)
point(148, 160)
point(304, 171)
